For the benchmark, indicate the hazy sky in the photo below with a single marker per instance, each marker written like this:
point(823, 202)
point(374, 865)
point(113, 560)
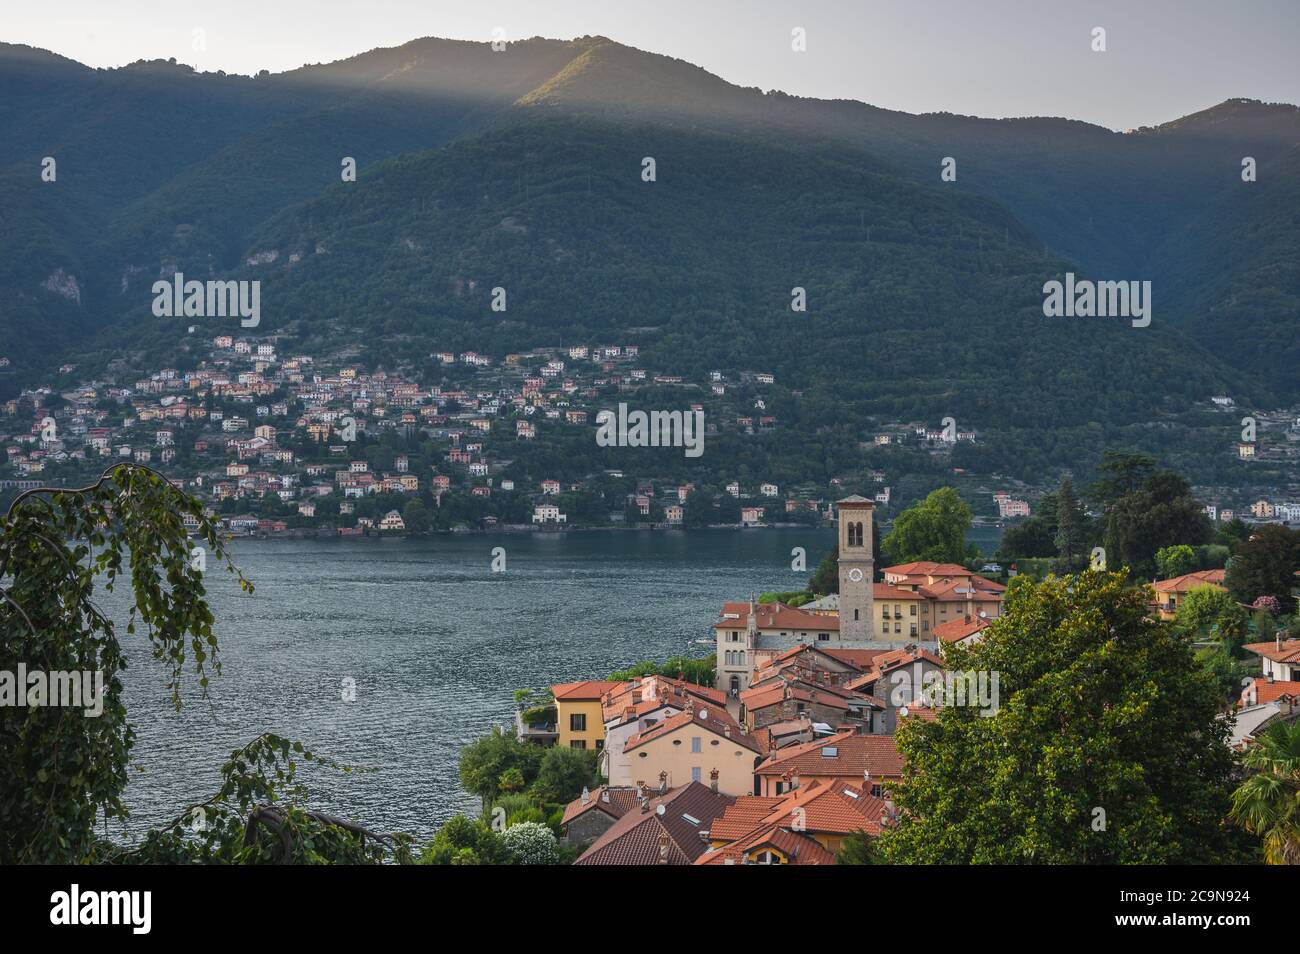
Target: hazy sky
point(1164, 58)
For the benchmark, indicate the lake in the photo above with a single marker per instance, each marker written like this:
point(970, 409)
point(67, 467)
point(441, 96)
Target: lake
point(436, 643)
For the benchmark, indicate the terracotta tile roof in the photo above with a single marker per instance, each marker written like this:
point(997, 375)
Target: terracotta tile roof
point(743, 816)
point(837, 808)
point(854, 754)
point(887, 591)
point(666, 692)
point(805, 649)
point(957, 591)
point(775, 692)
point(638, 837)
point(614, 800)
point(774, 616)
point(857, 658)
point(589, 689)
point(800, 849)
point(958, 629)
point(1265, 690)
point(715, 721)
point(927, 568)
point(1190, 581)
point(889, 661)
point(1288, 652)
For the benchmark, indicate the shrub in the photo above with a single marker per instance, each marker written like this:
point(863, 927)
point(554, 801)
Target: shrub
point(531, 843)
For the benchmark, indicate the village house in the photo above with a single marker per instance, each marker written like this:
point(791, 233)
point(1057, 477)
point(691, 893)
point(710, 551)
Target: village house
point(961, 632)
point(867, 761)
point(806, 826)
point(392, 522)
point(578, 712)
point(669, 828)
point(637, 705)
point(1281, 658)
point(592, 813)
point(691, 745)
point(1169, 594)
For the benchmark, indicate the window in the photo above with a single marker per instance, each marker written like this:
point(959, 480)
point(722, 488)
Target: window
point(913, 609)
point(695, 774)
point(695, 743)
point(855, 614)
point(579, 744)
point(577, 722)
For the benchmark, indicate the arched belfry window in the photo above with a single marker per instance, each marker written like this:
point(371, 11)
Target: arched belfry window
point(855, 534)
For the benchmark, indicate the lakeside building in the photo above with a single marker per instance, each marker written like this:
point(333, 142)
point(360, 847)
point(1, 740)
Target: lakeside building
point(914, 600)
point(578, 712)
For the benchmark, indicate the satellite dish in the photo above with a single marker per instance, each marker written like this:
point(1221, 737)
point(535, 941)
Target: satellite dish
point(659, 810)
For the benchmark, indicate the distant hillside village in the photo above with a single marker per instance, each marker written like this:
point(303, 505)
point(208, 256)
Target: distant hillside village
point(294, 445)
point(790, 754)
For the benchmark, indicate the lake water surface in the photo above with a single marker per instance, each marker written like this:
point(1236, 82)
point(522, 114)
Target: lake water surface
point(436, 643)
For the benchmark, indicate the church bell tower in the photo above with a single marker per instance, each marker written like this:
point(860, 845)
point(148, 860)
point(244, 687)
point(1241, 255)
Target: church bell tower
point(857, 570)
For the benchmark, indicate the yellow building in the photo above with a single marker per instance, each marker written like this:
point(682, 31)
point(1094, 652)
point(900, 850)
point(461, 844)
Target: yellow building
point(702, 744)
point(1169, 594)
point(578, 713)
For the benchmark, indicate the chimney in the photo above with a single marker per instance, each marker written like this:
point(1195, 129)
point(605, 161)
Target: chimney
point(726, 730)
point(794, 779)
point(645, 805)
point(663, 847)
point(586, 795)
point(713, 779)
point(663, 782)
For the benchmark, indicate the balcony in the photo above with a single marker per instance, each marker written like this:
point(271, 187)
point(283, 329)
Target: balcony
point(538, 728)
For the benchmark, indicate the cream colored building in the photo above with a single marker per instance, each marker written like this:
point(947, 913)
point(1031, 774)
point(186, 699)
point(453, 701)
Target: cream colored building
point(702, 744)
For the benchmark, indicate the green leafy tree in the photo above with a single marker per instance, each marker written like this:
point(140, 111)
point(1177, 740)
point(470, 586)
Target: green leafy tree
point(466, 841)
point(415, 515)
point(1265, 565)
point(485, 762)
point(1104, 747)
point(1267, 804)
point(858, 848)
point(826, 578)
point(1029, 538)
point(1175, 561)
point(531, 843)
point(1070, 526)
point(1226, 671)
point(935, 529)
point(1145, 509)
point(563, 774)
point(65, 772)
point(1209, 612)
